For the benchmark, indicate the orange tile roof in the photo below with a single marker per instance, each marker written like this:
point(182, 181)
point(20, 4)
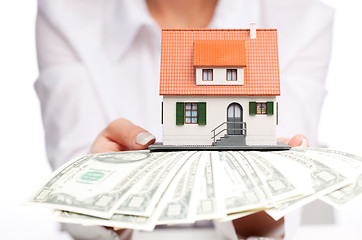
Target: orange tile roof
point(219, 53)
point(177, 76)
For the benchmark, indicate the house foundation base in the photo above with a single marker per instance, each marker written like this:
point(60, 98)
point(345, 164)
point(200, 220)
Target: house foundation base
point(159, 147)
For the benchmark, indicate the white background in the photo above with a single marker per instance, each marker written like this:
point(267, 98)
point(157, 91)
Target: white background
point(23, 162)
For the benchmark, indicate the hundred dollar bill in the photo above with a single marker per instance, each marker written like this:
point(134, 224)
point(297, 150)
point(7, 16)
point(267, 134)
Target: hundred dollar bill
point(96, 183)
point(241, 192)
point(117, 221)
point(345, 195)
point(178, 204)
point(254, 176)
point(319, 176)
point(349, 193)
point(278, 186)
point(147, 192)
point(210, 203)
point(347, 165)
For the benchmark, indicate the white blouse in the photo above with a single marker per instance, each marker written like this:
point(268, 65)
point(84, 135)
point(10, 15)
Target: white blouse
point(100, 60)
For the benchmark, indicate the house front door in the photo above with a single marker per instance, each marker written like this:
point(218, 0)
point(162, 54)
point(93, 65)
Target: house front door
point(234, 119)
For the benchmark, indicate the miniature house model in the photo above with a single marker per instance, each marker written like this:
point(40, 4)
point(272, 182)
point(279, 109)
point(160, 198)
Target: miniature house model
point(219, 87)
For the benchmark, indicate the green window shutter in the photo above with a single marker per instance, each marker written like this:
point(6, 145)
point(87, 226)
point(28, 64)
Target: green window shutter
point(180, 113)
point(269, 108)
point(252, 108)
point(201, 116)
point(277, 113)
point(161, 112)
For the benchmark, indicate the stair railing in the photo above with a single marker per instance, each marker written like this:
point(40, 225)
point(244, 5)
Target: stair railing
point(226, 128)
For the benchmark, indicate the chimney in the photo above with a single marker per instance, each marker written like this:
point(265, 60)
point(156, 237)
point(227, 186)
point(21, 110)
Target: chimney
point(252, 30)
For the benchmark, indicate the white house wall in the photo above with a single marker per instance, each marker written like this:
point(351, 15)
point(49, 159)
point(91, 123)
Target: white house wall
point(261, 129)
point(219, 76)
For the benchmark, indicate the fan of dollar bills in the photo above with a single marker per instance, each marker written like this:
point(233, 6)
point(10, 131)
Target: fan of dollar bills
point(140, 189)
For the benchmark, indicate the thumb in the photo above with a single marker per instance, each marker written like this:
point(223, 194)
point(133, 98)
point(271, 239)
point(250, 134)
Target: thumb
point(299, 141)
point(121, 135)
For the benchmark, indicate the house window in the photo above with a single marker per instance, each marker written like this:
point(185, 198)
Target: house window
point(207, 75)
point(191, 110)
point(261, 108)
point(190, 113)
point(231, 75)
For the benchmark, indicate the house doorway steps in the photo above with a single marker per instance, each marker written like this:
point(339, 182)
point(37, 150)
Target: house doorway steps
point(222, 132)
point(230, 140)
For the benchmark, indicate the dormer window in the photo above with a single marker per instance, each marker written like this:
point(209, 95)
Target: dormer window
point(207, 74)
point(231, 75)
point(219, 62)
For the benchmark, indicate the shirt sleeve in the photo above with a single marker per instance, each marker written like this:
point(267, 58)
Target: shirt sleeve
point(71, 112)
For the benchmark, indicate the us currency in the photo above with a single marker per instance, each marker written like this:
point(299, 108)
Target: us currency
point(319, 176)
point(278, 186)
point(241, 191)
point(349, 193)
point(233, 216)
point(96, 184)
point(117, 220)
point(210, 202)
point(147, 192)
point(186, 186)
point(275, 185)
point(178, 204)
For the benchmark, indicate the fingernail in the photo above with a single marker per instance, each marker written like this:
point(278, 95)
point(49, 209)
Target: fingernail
point(304, 143)
point(144, 137)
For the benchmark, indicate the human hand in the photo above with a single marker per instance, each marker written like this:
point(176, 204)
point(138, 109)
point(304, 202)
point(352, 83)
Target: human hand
point(260, 223)
point(298, 140)
point(122, 135)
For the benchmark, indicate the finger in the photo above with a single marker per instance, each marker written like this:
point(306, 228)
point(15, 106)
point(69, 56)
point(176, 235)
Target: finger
point(128, 135)
point(103, 144)
point(120, 135)
point(299, 141)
